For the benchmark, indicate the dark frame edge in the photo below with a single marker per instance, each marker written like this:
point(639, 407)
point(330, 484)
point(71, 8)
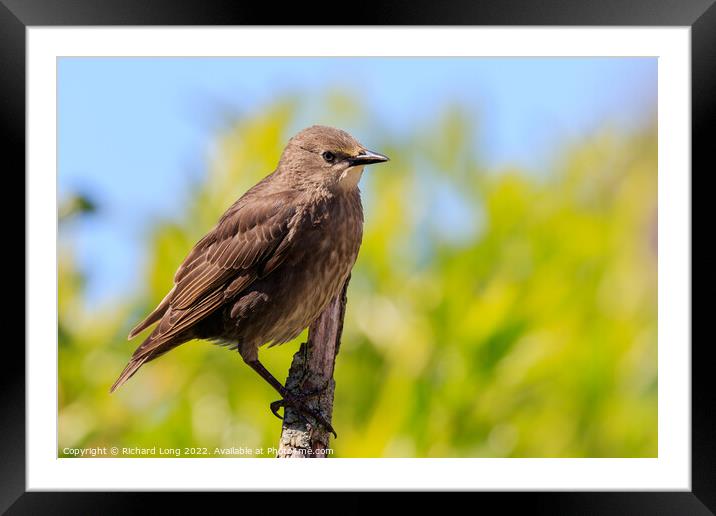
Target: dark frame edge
point(12, 380)
point(368, 12)
point(703, 126)
point(540, 503)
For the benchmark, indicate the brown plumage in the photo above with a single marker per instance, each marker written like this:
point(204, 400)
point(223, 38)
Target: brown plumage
point(274, 260)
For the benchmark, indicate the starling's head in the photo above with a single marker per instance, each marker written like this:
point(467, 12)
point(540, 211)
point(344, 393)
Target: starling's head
point(326, 156)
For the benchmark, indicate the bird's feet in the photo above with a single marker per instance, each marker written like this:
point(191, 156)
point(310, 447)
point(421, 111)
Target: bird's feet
point(298, 402)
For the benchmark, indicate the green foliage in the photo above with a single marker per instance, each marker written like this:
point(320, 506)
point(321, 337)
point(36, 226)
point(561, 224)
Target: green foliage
point(517, 317)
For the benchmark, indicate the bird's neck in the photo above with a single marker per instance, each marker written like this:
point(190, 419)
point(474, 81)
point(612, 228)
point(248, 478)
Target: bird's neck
point(345, 183)
point(348, 180)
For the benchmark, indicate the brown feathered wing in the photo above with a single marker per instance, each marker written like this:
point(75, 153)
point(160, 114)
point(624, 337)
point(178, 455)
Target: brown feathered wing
point(249, 241)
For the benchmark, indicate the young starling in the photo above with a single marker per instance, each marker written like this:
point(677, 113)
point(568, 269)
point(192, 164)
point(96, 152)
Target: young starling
point(274, 260)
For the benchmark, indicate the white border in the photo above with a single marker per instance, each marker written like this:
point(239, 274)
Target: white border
point(672, 468)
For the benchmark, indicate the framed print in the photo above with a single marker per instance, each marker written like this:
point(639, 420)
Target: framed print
point(464, 234)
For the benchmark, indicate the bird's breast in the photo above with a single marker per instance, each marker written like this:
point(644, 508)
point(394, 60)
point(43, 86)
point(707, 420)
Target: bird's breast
point(324, 248)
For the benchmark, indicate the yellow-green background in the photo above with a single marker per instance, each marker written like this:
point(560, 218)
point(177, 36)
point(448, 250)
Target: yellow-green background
point(535, 338)
point(504, 299)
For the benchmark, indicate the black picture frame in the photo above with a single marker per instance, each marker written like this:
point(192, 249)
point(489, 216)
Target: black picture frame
point(17, 15)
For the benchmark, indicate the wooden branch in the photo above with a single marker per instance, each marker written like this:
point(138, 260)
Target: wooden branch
point(311, 370)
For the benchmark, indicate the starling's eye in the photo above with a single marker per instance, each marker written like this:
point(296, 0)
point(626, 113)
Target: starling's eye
point(329, 156)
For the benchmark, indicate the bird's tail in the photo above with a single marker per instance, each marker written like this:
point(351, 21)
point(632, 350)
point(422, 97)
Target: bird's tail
point(134, 364)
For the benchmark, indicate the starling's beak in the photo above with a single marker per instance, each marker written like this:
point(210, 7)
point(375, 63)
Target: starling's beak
point(367, 157)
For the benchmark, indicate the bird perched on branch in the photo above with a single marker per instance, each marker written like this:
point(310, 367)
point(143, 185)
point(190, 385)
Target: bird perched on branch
point(274, 260)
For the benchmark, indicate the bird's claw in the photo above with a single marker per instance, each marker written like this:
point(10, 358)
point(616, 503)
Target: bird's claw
point(275, 405)
point(297, 403)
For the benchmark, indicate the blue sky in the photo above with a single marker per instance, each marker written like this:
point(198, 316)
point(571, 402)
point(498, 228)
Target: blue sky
point(133, 128)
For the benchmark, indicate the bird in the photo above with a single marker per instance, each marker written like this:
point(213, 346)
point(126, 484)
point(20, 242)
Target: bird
point(273, 261)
